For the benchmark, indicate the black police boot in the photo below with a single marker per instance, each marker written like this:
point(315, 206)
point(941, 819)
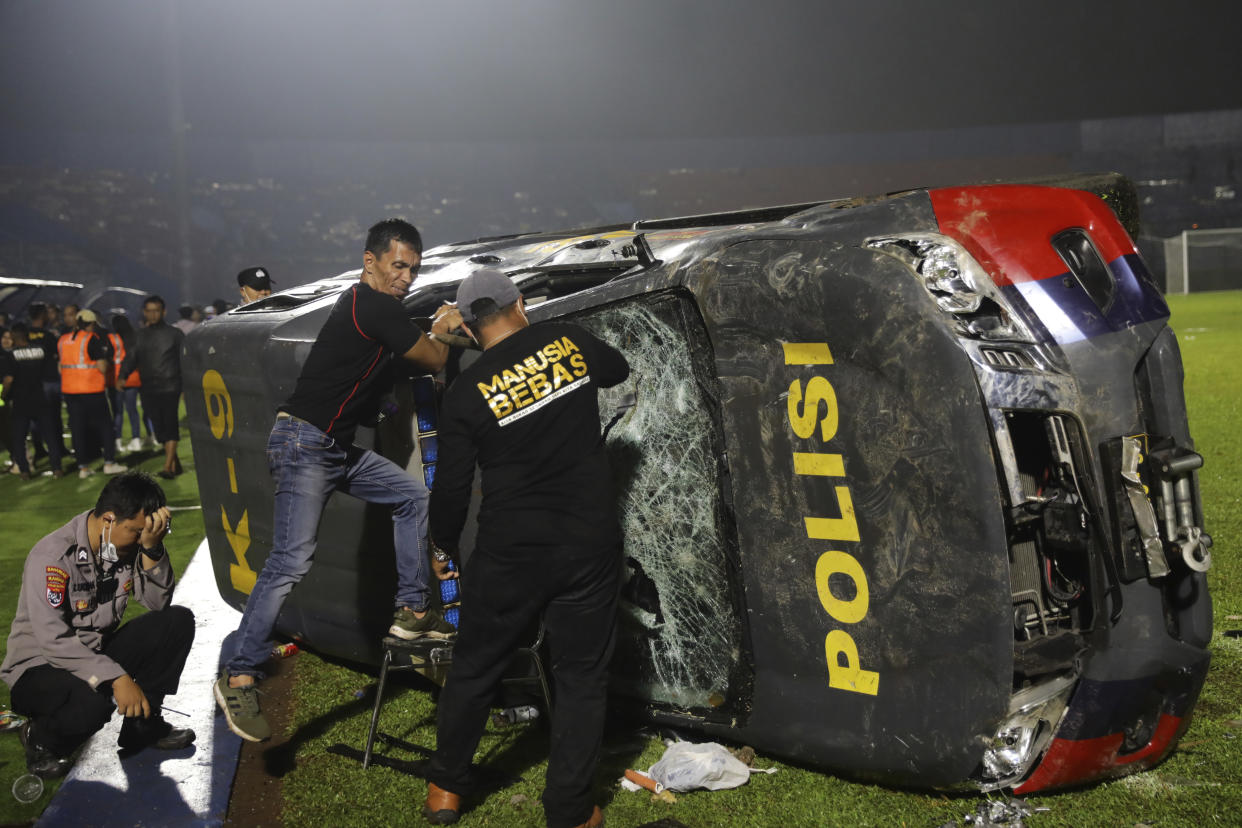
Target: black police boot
point(39, 760)
point(137, 733)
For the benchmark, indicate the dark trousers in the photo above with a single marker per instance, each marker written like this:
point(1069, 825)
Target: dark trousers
point(51, 390)
point(503, 592)
point(42, 420)
point(90, 423)
point(65, 711)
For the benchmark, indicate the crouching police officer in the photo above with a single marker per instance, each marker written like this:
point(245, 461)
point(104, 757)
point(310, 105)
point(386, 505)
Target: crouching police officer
point(69, 660)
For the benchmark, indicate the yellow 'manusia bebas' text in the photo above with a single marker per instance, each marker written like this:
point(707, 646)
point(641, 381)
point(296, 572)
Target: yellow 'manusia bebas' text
point(530, 380)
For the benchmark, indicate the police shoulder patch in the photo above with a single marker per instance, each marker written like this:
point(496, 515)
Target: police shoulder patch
point(57, 581)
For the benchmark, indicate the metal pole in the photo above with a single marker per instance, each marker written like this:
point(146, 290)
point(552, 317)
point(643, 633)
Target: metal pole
point(1185, 261)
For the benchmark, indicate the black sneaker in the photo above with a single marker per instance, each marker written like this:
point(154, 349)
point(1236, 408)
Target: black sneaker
point(137, 733)
point(407, 625)
point(39, 760)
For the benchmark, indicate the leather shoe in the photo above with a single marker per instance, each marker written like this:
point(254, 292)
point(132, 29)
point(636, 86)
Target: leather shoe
point(39, 760)
point(596, 820)
point(441, 807)
point(137, 734)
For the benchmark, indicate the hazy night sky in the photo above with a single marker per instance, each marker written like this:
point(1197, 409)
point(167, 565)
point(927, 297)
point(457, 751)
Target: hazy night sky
point(423, 71)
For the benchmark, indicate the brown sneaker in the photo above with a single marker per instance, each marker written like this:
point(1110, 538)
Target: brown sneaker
point(596, 820)
point(441, 807)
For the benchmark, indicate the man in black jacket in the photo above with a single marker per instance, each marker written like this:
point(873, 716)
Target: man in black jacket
point(548, 538)
point(157, 358)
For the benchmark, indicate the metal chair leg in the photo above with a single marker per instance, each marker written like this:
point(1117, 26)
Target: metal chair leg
point(379, 702)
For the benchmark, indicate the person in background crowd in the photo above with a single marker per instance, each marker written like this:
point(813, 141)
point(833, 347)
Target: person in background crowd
point(4, 319)
point(84, 366)
point(156, 356)
point(43, 334)
point(70, 662)
point(220, 306)
point(190, 317)
point(125, 393)
point(53, 318)
point(21, 371)
point(254, 283)
point(94, 449)
point(69, 318)
point(7, 369)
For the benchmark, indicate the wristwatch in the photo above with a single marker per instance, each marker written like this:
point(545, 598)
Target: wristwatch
point(155, 554)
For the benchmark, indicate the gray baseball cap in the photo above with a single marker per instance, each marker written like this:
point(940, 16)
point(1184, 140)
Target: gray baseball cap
point(485, 283)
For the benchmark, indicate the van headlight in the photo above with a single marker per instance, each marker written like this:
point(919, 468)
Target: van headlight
point(1034, 714)
point(956, 283)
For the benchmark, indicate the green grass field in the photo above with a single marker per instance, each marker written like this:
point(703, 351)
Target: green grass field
point(1200, 784)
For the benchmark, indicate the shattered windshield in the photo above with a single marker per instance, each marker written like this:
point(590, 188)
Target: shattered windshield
point(679, 614)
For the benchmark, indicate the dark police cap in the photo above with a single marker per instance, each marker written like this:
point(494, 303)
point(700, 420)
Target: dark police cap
point(256, 278)
point(485, 283)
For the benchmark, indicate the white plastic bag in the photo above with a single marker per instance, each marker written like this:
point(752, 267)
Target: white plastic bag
point(687, 765)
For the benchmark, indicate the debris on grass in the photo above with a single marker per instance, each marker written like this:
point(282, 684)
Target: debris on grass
point(745, 755)
point(686, 766)
point(10, 720)
point(1010, 813)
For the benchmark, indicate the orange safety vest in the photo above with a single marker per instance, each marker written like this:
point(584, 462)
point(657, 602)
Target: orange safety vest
point(118, 356)
point(78, 373)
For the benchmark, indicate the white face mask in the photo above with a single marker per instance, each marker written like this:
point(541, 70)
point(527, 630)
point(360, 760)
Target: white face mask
point(107, 551)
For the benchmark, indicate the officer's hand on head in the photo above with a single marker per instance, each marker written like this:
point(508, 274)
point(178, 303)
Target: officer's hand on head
point(158, 523)
point(130, 700)
point(446, 318)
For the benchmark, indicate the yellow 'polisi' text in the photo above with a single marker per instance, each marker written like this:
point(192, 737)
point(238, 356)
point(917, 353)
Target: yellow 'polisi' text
point(815, 415)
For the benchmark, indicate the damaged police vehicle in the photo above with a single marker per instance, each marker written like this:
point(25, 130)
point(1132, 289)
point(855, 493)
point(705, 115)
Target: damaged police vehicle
point(906, 482)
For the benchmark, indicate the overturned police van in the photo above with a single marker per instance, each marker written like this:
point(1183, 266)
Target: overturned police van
point(906, 482)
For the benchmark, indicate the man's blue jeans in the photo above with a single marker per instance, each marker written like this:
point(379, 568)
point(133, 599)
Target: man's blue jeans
point(308, 466)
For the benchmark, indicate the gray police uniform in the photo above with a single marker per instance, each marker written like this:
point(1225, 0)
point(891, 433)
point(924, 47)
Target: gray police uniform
point(67, 644)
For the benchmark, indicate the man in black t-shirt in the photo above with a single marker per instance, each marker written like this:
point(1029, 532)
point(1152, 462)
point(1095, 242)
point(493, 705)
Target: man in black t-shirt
point(23, 389)
point(311, 454)
point(548, 538)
